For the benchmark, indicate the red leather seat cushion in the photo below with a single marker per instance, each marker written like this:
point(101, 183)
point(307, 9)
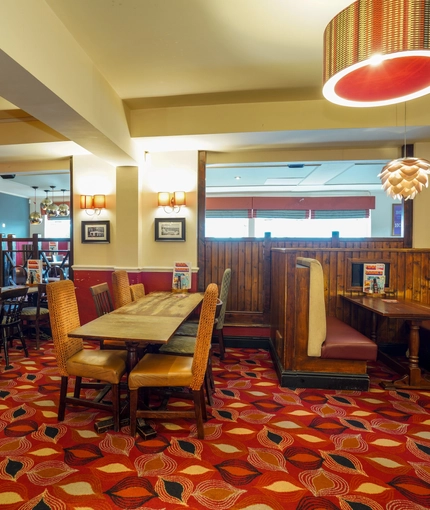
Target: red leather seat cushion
point(344, 342)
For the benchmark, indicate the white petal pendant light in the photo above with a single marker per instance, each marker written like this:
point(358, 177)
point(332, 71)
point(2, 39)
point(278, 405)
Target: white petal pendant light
point(405, 177)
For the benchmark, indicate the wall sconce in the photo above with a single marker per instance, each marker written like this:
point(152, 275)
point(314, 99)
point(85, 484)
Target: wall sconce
point(173, 200)
point(94, 203)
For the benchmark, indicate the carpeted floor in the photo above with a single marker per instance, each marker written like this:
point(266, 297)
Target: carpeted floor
point(266, 447)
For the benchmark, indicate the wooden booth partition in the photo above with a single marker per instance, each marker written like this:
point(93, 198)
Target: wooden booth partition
point(249, 260)
point(409, 278)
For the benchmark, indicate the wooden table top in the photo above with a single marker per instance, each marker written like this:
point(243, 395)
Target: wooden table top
point(129, 328)
point(163, 304)
point(153, 318)
point(392, 308)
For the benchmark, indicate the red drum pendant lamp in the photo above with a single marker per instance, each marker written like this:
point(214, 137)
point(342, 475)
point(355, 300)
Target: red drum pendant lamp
point(377, 52)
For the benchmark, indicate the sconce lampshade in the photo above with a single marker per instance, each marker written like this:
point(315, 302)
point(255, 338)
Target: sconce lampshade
point(99, 201)
point(405, 177)
point(377, 52)
point(86, 202)
point(179, 198)
point(163, 198)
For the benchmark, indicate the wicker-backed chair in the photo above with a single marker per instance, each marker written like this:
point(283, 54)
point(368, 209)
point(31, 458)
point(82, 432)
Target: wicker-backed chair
point(12, 302)
point(74, 361)
point(189, 328)
point(163, 371)
point(37, 315)
point(137, 291)
point(121, 288)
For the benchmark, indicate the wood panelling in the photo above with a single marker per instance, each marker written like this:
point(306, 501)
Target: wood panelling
point(250, 259)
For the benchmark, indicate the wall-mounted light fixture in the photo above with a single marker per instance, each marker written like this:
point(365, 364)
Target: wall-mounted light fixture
point(174, 200)
point(93, 204)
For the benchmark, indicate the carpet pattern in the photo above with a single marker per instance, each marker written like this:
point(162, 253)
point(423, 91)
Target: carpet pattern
point(266, 447)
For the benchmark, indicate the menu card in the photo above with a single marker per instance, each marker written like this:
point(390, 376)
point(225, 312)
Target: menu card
point(34, 271)
point(181, 276)
point(374, 278)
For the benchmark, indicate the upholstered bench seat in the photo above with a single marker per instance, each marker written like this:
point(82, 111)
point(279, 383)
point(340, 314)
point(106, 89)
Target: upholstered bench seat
point(344, 342)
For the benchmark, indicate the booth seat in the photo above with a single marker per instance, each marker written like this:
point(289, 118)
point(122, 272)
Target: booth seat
point(313, 350)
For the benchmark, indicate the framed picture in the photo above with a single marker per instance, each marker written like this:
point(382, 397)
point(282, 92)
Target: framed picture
point(170, 229)
point(95, 232)
point(397, 228)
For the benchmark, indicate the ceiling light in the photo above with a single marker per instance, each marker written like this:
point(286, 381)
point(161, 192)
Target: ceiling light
point(377, 52)
point(46, 201)
point(237, 177)
point(405, 177)
point(35, 217)
point(63, 209)
point(52, 209)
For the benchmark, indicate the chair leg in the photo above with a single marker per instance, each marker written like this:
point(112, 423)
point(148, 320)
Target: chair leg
point(6, 352)
point(77, 392)
point(221, 343)
point(37, 335)
point(200, 410)
point(115, 406)
point(134, 397)
point(21, 336)
point(63, 395)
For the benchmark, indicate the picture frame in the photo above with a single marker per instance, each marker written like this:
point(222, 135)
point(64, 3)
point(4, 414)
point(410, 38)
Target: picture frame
point(95, 231)
point(397, 220)
point(170, 229)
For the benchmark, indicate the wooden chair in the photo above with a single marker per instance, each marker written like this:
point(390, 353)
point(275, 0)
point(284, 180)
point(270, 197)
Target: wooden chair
point(17, 275)
point(189, 328)
point(103, 301)
point(137, 291)
point(102, 298)
point(37, 315)
point(74, 361)
point(11, 304)
point(121, 288)
point(163, 371)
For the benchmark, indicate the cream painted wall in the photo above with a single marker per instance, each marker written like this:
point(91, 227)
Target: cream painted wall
point(131, 197)
point(421, 232)
point(92, 176)
point(170, 171)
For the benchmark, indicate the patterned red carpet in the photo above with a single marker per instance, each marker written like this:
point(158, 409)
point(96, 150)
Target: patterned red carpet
point(266, 447)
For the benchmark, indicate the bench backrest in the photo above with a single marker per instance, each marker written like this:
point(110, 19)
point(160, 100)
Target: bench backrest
point(317, 314)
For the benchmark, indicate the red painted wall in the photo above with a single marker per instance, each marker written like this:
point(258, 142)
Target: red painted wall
point(83, 280)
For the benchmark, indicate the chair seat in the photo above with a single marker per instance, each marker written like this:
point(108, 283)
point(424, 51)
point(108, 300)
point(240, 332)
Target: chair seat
point(31, 311)
point(104, 365)
point(156, 370)
point(188, 329)
point(180, 345)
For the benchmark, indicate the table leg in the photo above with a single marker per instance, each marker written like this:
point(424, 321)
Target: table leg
point(373, 331)
point(413, 379)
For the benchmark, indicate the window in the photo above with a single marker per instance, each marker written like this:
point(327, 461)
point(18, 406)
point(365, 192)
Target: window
point(57, 228)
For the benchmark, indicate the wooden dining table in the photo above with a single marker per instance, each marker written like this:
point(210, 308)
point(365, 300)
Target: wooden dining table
point(153, 319)
point(414, 313)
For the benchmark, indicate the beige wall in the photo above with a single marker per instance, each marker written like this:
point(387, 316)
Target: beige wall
point(131, 207)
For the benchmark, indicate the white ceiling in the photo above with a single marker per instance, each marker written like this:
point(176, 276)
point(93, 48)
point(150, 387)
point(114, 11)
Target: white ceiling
point(157, 53)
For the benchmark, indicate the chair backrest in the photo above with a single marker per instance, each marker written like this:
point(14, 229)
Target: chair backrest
point(121, 288)
point(137, 291)
point(42, 298)
point(204, 336)
point(317, 314)
point(223, 295)
point(17, 275)
point(11, 303)
point(102, 298)
point(63, 311)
